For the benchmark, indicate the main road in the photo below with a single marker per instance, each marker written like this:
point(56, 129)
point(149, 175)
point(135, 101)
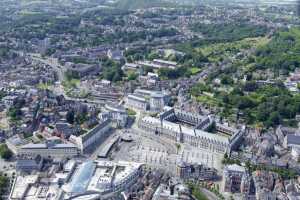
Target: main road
point(52, 62)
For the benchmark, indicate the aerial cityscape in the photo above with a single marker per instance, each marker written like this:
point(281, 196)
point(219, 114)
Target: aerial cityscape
point(149, 100)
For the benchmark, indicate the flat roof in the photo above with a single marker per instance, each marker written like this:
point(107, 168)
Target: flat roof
point(151, 64)
point(293, 139)
point(99, 176)
point(137, 97)
point(44, 146)
point(105, 150)
point(21, 185)
point(133, 65)
point(165, 62)
point(115, 108)
point(111, 173)
point(235, 167)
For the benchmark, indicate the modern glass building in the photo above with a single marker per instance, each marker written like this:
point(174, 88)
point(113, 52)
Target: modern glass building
point(82, 177)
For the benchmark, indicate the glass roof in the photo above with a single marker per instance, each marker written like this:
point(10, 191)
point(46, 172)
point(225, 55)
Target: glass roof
point(82, 178)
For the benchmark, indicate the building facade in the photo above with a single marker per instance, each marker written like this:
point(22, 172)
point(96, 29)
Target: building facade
point(117, 114)
point(29, 163)
point(235, 179)
point(101, 178)
point(196, 138)
point(137, 102)
point(94, 136)
point(49, 150)
point(195, 171)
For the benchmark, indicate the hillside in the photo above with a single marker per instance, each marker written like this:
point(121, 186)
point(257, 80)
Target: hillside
point(139, 4)
point(282, 53)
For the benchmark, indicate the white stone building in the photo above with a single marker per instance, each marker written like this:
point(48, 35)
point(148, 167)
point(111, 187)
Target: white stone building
point(138, 102)
point(196, 136)
point(117, 114)
point(181, 134)
point(49, 150)
point(94, 136)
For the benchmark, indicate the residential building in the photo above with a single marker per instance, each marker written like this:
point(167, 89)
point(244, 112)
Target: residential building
point(65, 130)
point(165, 63)
point(15, 142)
point(295, 153)
point(158, 64)
point(264, 182)
point(82, 70)
point(130, 66)
point(174, 190)
point(115, 54)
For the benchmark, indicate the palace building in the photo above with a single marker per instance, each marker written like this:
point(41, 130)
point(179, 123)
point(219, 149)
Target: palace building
point(188, 128)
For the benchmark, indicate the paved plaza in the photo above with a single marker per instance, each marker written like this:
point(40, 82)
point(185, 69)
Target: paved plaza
point(160, 152)
point(211, 159)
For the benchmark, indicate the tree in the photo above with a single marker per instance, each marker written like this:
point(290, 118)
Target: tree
point(250, 86)
point(274, 119)
point(3, 184)
point(211, 128)
point(132, 76)
point(2, 94)
point(112, 71)
point(245, 102)
point(70, 117)
point(5, 152)
point(226, 80)
point(81, 117)
point(14, 113)
point(178, 146)
point(153, 55)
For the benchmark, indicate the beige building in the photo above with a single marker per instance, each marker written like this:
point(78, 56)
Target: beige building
point(94, 136)
point(49, 150)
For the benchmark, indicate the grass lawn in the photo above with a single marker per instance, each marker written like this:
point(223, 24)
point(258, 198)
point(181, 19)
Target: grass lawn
point(211, 101)
point(224, 50)
point(70, 84)
point(44, 86)
point(130, 112)
point(197, 192)
point(195, 70)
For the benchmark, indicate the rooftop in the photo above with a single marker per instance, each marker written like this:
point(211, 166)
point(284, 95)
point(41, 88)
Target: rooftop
point(235, 167)
point(186, 130)
point(115, 108)
point(293, 139)
point(99, 176)
point(21, 185)
point(137, 97)
point(46, 146)
point(165, 62)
